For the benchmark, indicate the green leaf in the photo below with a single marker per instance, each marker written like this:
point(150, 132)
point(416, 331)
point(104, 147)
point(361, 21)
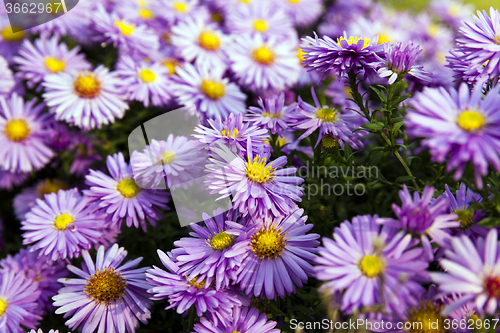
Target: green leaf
point(380, 94)
point(347, 150)
point(400, 99)
point(375, 157)
point(411, 158)
point(489, 222)
point(404, 179)
point(397, 120)
point(396, 127)
point(373, 126)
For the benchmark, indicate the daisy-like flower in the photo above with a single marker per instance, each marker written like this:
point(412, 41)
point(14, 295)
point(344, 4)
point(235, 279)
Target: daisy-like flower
point(6, 77)
point(264, 64)
point(24, 201)
point(106, 296)
point(453, 12)
point(459, 127)
point(213, 254)
point(480, 42)
point(302, 12)
point(272, 114)
point(259, 17)
point(175, 11)
point(9, 180)
point(258, 187)
point(38, 269)
point(144, 81)
point(423, 218)
point(123, 34)
point(175, 159)
point(400, 60)
point(472, 75)
point(245, 319)
point(201, 42)
point(369, 265)
point(330, 122)
point(459, 204)
point(347, 53)
point(18, 302)
point(47, 56)
point(231, 132)
point(119, 196)
point(183, 293)
point(84, 98)
point(22, 136)
point(62, 225)
point(472, 270)
point(278, 255)
point(9, 41)
point(206, 88)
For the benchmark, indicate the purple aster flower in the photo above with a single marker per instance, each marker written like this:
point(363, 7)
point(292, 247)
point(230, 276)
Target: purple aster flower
point(7, 82)
point(9, 180)
point(272, 114)
point(144, 81)
point(214, 252)
point(259, 17)
point(9, 41)
point(119, 196)
point(201, 42)
point(400, 60)
point(85, 99)
point(231, 132)
point(480, 42)
point(40, 331)
point(459, 205)
point(183, 293)
point(278, 255)
point(175, 159)
point(246, 319)
point(330, 122)
point(459, 127)
point(257, 186)
point(62, 225)
point(47, 56)
point(262, 64)
point(85, 154)
point(452, 12)
point(22, 138)
point(18, 302)
point(175, 11)
point(423, 218)
point(348, 53)
point(302, 12)
point(24, 201)
point(463, 69)
point(371, 265)
point(106, 293)
point(40, 270)
point(125, 35)
point(206, 88)
point(472, 270)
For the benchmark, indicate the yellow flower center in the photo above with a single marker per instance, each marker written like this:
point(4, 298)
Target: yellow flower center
point(268, 243)
point(263, 56)
point(294, 2)
point(209, 41)
point(433, 30)
point(170, 63)
point(272, 115)
point(229, 134)
point(454, 10)
point(328, 115)
point(17, 130)
point(497, 41)
point(3, 306)
point(125, 28)
point(10, 36)
point(128, 188)
point(260, 25)
point(329, 141)
point(257, 171)
point(50, 186)
point(55, 65)
point(180, 7)
point(62, 221)
point(146, 14)
point(371, 266)
point(221, 241)
point(354, 40)
point(105, 286)
point(168, 157)
point(471, 120)
point(147, 76)
point(280, 141)
point(301, 55)
point(383, 38)
point(213, 89)
point(198, 285)
point(465, 218)
point(422, 318)
point(87, 85)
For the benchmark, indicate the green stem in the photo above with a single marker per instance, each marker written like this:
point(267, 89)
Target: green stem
point(356, 96)
point(192, 315)
point(398, 156)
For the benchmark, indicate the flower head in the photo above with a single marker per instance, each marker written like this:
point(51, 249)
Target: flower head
point(7, 82)
point(272, 114)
